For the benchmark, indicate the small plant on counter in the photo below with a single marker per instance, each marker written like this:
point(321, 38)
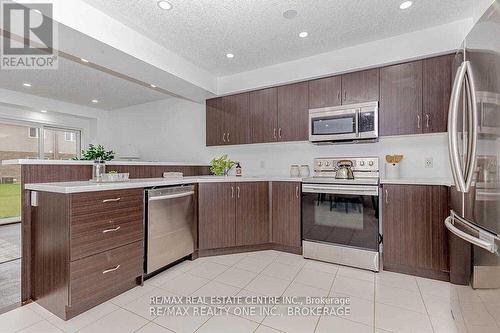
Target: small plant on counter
point(221, 166)
point(97, 152)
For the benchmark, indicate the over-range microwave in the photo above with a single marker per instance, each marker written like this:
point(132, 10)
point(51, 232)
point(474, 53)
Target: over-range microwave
point(354, 122)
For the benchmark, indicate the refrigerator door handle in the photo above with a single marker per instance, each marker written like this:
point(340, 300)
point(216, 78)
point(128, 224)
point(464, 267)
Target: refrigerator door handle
point(472, 128)
point(458, 174)
point(486, 240)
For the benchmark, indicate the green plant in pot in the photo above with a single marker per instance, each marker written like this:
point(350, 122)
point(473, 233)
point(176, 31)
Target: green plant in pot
point(221, 166)
point(98, 152)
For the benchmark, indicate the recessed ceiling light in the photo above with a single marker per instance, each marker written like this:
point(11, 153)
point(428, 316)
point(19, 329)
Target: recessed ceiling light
point(43, 111)
point(406, 5)
point(303, 34)
point(27, 84)
point(290, 14)
point(152, 86)
point(230, 55)
point(95, 101)
point(84, 60)
point(164, 5)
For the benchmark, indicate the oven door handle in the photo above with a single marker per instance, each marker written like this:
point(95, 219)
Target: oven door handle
point(341, 189)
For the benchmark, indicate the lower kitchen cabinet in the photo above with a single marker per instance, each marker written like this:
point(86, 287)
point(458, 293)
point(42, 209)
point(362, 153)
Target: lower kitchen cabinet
point(415, 238)
point(233, 214)
point(285, 201)
point(87, 248)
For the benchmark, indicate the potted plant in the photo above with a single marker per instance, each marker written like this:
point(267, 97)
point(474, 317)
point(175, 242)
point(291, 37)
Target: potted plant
point(221, 166)
point(95, 153)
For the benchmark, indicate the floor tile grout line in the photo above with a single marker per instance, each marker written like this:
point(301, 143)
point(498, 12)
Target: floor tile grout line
point(425, 306)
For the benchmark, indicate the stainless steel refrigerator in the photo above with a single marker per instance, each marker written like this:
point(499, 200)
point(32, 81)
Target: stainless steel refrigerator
point(474, 147)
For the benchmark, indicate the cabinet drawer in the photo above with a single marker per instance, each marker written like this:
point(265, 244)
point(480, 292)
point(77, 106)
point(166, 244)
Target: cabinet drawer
point(99, 277)
point(90, 235)
point(105, 201)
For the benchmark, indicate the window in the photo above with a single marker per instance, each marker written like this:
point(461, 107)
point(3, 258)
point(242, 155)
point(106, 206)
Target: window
point(70, 136)
point(33, 132)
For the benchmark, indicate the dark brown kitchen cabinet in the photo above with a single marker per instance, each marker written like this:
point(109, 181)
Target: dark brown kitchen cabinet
point(437, 84)
point(252, 213)
point(264, 115)
point(228, 120)
point(214, 122)
point(216, 221)
point(285, 201)
point(233, 214)
point(236, 119)
point(359, 87)
point(293, 112)
point(325, 92)
point(401, 99)
point(415, 238)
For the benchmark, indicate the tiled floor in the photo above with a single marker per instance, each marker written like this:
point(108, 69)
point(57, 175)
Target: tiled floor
point(10, 265)
point(381, 303)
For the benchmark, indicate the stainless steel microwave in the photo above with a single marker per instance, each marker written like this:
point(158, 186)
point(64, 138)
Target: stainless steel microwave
point(352, 122)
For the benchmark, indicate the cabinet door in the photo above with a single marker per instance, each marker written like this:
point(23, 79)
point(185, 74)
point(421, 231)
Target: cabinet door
point(214, 122)
point(437, 91)
point(236, 119)
point(216, 202)
point(264, 115)
point(401, 99)
point(252, 213)
point(437, 211)
point(293, 112)
point(325, 92)
point(359, 87)
point(393, 202)
point(286, 214)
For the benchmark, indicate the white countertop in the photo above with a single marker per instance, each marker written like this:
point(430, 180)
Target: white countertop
point(116, 162)
point(418, 181)
point(88, 186)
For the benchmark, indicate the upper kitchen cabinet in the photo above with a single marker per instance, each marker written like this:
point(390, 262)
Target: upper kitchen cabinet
point(228, 120)
point(236, 119)
point(293, 112)
point(325, 92)
point(401, 99)
point(264, 115)
point(214, 122)
point(359, 87)
point(437, 76)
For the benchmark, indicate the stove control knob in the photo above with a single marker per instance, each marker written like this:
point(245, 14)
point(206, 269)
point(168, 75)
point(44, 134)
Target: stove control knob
point(327, 163)
point(320, 163)
point(362, 163)
point(370, 163)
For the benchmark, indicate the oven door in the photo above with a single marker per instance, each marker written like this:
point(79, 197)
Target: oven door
point(346, 215)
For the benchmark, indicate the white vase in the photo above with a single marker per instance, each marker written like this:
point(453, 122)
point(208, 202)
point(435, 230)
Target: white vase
point(392, 170)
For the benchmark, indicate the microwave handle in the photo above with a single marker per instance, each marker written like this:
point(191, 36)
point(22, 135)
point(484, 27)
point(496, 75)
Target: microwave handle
point(356, 121)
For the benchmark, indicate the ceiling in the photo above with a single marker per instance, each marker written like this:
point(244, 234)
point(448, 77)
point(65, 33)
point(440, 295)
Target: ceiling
point(77, 83)
point(203, 31)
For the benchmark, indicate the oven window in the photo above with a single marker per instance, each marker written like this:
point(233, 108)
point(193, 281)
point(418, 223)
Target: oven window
point(333, 125)
point(350, 220)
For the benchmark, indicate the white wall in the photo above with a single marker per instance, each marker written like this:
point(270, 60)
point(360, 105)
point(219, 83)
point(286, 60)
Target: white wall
point(174, 130)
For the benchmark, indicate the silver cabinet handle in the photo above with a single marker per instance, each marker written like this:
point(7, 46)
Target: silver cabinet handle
point(228, 140)
point(386, 197)
point(427, 120)
point(224, 137)
point(274, 133)
point(111, 230)
point(232, 191)
point(279, 132)
point(238, 191)
point(338, 96)
point(345, 95)
point(297, 192)
point(111, 269)
point(418, 121)
point(111, 200)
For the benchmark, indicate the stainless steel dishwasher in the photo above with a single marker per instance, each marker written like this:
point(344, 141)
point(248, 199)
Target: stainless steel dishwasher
point(170, 222)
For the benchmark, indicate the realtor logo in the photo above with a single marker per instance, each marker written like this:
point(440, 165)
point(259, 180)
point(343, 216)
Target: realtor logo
point(28, 36)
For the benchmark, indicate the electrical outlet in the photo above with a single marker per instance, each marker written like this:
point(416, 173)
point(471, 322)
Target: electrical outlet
point(429, 163)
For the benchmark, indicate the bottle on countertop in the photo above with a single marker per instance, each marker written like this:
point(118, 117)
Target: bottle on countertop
point(238, 169)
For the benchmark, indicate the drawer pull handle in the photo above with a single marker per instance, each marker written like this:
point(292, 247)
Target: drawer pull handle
point(111, 200)
point(111, 269)
point(111, 230)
